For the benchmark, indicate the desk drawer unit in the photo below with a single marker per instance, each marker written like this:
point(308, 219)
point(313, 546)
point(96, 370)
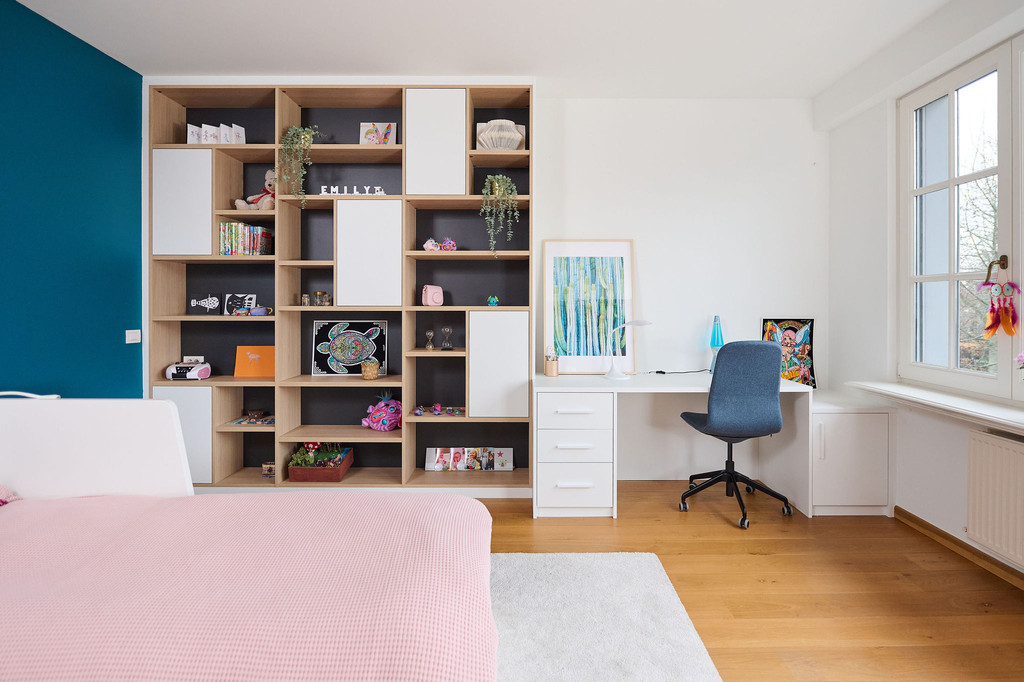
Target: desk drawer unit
point(562, 484)
point(575, 446)
point(574, 411)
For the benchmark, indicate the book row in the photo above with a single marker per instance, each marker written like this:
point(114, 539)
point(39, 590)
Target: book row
point(240, 239)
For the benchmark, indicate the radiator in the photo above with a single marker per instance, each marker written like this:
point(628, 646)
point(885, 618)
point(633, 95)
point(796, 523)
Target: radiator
point(995, 494)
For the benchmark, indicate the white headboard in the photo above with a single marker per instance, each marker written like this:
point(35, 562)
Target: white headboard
point(73, 448)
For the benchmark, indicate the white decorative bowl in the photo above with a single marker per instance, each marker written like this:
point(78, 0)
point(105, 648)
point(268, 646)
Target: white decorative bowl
point(499, 134)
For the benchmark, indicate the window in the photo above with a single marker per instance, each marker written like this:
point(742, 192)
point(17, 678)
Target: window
point(956, 178)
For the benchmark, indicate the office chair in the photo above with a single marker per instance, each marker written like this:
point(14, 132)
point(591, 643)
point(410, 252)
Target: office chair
point(743, 403)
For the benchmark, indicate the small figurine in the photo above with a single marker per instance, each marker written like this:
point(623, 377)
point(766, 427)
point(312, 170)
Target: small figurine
point(431, 245)
point(436, 409)
point(449, 244)
point(449, 411)
point(492, 300)
point(459, 411)
point(418, 411)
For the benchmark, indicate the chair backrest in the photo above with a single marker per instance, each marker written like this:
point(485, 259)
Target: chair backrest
point(744, 398)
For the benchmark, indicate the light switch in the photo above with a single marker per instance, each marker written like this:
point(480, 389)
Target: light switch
point(133, 336)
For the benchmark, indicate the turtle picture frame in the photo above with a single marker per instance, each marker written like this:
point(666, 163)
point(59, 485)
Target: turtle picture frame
point(340, 346)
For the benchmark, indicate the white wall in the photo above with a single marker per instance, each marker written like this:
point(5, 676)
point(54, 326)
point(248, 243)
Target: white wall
point(727, 204)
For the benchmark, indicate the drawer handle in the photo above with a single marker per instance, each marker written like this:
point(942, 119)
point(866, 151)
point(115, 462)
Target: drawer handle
point(574, 446)
point(573, 485)
point(574, 412)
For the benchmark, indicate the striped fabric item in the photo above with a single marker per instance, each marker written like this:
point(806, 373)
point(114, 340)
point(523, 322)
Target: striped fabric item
point(324, 585)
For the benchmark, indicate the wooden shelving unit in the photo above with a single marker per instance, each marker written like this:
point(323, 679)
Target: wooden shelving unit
point(308, 256)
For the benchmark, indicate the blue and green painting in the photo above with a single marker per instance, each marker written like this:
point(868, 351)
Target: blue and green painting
point(589, 301)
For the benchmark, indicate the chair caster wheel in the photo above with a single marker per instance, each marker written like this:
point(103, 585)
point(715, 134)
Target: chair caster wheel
point(750, 489)
point(744, 523)
point(787, 510)
point(692, 485)
point(684, 506)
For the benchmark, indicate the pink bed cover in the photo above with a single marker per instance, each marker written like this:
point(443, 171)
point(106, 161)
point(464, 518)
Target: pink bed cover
point(317, 585)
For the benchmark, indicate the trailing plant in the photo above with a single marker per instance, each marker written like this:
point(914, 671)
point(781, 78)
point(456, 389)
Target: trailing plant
point(500, 208)
point(295, 146)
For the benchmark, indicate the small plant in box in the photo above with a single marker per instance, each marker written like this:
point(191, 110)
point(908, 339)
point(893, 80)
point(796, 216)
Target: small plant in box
point(319, 463)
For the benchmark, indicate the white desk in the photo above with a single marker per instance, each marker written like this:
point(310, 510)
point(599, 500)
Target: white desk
point(576, 450)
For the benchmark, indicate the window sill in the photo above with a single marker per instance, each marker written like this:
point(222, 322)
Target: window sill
point(985, 412)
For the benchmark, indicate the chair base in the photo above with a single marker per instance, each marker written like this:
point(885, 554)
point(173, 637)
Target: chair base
point(732, 479)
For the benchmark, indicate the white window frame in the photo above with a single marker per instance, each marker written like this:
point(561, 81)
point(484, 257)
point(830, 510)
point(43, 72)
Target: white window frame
point(1001, 383)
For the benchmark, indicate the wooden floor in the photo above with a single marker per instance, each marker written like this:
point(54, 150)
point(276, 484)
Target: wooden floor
point(792, 598)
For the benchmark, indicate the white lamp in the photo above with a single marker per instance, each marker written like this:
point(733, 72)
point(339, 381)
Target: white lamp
point(613, 371)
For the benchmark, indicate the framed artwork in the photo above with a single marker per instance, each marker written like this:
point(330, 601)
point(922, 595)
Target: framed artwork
point(203, 304)
point(233, 302)
point(588, 292)
point(378, 133)
point(797, 340)
point(340, 346)
point(254, 361)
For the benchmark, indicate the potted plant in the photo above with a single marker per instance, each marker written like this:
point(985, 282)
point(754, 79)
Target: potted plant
point(500, 207)
point(295, 146)
point(319, 463)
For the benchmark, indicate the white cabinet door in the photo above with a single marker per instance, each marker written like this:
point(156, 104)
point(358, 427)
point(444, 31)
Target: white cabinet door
point(435, 141)
point(498, 365)
point(182, 202)
point(851, 459)
point(369, 253)
point(195, 409)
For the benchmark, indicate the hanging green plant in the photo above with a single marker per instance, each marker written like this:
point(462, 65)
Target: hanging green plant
point(295, 146)
point(500, 208)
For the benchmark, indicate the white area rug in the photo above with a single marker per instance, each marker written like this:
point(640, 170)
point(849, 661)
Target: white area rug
point(592, 617)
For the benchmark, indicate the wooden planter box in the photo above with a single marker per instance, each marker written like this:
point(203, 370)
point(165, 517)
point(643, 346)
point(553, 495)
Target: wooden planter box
point(320, 474)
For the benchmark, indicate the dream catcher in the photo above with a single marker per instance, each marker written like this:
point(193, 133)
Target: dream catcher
point(1001, 312)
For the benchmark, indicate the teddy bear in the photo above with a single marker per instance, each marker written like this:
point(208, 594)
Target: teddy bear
point(264, 201)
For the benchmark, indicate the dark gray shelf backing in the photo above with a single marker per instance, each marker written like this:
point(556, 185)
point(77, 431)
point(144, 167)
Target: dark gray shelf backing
point(317, 280)
point(519, 176)
point(317, 234)
point(341, 126)
point(341, 406)
point(440, 380)
point(436, 318)
point(516, 115)
point(218, 341)
point(394, 320)
point(230, 278)
point(257, 448)
point(469, 230)
point(258, 123)
point(387, 175)
point(514, 435)
point(253, 177)
point(258, 398)
point(472, 282)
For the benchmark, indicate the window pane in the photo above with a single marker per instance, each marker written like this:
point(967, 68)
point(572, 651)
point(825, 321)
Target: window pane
point(933, 233)
point(977, 204)
point(976, 352)
point(932, 138)
point(931, 313)
point(977, 118)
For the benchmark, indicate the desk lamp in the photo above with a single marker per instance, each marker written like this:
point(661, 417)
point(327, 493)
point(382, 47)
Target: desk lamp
point(613, 371)
point(716, 342)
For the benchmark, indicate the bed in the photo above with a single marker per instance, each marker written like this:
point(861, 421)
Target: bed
point(331, 584)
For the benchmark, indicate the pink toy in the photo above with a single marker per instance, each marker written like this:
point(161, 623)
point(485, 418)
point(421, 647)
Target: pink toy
point(449, 244)
point(431, 245)
point(385, 415)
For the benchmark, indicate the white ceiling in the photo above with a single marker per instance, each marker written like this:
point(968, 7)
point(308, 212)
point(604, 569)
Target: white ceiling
point(587, 48)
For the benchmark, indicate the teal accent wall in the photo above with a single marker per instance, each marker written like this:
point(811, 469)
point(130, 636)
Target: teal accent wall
point(70, 240)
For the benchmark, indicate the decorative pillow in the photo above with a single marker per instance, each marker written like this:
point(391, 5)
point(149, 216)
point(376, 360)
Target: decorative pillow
point(7, 496)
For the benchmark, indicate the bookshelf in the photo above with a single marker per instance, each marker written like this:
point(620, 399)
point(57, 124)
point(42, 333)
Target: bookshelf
point(432, 190)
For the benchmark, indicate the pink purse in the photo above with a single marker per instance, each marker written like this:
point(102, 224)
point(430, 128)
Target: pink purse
point(432, 295)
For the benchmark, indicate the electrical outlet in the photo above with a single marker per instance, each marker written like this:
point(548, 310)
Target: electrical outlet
point(133, 336)
point(194, 358)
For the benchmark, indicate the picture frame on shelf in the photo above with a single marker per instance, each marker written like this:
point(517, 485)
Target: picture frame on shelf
point(796, 336)
point(379, 133)
point(340, 346)
point(203, 304)
point(193, 134)
point(237, 134)
point(577, 325)
point(235, 302)
point(254, 361)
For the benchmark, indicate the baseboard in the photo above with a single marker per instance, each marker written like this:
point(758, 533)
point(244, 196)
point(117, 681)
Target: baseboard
point(969, 552)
